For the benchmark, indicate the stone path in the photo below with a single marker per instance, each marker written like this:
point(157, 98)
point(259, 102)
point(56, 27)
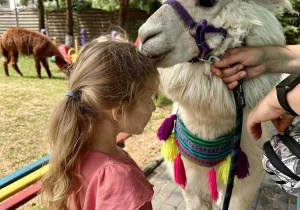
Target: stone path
point(168, 196)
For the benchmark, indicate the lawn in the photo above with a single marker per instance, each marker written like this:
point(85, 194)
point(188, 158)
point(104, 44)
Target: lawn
point(25, 107)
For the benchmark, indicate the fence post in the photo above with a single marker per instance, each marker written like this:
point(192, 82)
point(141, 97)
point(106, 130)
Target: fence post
point(16, 11)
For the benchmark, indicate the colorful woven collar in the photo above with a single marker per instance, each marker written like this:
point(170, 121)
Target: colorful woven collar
point(200, 151)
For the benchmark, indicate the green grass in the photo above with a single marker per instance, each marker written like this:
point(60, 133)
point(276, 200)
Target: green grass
point(25, 107)
point(162, 99)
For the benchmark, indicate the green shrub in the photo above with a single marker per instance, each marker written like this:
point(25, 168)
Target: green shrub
point(290, 22)
point(161, 99)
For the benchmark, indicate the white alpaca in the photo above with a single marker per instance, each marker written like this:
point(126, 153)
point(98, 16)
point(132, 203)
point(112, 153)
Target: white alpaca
point(205, 105)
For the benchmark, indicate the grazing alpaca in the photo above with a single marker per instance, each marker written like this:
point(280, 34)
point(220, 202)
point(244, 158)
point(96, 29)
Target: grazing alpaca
point(16, 40)
point(204, 104)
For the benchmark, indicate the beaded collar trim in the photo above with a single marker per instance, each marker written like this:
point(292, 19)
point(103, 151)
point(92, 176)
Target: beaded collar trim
point(200, 151)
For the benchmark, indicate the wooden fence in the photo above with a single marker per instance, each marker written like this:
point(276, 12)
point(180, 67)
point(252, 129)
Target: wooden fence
point(94, 21)
point(27, 18)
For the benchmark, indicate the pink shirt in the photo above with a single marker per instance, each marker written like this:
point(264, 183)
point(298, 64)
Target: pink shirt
point(112, 182)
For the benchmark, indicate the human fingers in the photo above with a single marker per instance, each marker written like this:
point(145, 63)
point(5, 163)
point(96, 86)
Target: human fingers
point(254, 130)
point(216, 71)
point(229, 71)
point(232, 85)
point(229, 58)
point(234, 77)
point(253, 126)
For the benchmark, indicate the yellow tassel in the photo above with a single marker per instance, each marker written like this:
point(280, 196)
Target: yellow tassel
point(169, 149)
point(223, 171)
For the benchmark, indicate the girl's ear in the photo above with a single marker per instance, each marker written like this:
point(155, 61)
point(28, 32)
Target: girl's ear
point(272, 4)
point(117, 114)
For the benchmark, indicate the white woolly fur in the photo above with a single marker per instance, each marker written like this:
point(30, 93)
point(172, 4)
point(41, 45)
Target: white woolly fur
point(204, 103)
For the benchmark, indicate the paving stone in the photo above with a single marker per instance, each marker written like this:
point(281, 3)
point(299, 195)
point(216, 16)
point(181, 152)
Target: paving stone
point(293, 199)
point(255, 200)
point(267, 190)
point(153, 176)
point(280, 201)
point(278, 190)
point(168, 195)
point(168, 207)
point(182, 206)
point(164, 176)
point(292, 207)
point(156, 173)
point(156, 189)
point(176, 197)
point(169, 188)
point(265, 201)
point(159, 201)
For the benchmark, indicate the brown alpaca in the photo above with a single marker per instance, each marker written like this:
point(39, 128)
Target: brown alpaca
point(16, 40)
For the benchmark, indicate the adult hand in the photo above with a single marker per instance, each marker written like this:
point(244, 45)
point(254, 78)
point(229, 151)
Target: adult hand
point(250, 62)
point(268, 109)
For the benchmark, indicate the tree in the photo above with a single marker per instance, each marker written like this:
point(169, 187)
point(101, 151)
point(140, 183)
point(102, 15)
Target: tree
point(291, 23)
point(78, 5)
point(122, 11)
point(69, 24)
point(40, 5)
point(150, 6)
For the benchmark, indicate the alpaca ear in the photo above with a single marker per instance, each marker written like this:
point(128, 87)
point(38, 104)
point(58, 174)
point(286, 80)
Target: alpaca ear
point(272, 4)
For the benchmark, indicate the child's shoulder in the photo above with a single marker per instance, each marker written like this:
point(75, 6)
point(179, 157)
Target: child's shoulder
point(115, 181)
point(96, 162)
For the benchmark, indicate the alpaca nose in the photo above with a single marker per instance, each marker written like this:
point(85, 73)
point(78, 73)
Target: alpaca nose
point(146, 34)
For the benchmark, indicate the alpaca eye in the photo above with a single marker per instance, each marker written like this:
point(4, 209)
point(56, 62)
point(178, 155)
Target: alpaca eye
point(207, 3)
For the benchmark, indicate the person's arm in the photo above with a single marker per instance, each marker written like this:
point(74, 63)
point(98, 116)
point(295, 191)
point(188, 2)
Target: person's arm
point(269, 109)
point(252, 61)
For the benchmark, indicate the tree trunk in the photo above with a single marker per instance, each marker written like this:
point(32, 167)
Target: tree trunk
point(41, 15)
point(57, 4)
point(122, 12)
point(69, 30)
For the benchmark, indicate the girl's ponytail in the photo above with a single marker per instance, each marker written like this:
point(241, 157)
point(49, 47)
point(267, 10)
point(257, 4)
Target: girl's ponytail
point(70, 127)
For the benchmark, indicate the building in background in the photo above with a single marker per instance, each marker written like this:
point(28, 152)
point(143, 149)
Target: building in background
point(5, 4)
point(12, 4)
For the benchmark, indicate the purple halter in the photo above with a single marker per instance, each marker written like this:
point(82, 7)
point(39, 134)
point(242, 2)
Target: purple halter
point(201, 29)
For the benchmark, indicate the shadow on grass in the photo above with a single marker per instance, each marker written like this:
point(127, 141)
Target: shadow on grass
point(50, 78)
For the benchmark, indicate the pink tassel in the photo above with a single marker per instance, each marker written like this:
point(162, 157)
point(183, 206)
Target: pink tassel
point(166, 128)
point(212, 185)
point(242, 168)
point(179, 171)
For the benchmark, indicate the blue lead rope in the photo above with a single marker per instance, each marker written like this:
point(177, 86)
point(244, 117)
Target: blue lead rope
point(240, 104)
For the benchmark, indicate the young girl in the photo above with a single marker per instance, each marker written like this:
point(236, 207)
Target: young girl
point(109, 92)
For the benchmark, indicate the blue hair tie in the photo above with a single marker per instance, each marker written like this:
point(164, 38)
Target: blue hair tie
point(71, 94)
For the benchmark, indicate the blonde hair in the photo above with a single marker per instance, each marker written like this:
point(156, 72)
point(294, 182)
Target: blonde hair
point(107, 74)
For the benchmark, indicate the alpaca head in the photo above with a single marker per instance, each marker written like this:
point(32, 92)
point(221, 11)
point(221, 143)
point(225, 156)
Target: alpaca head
point(62, 64)
point(166, 38)
point(60, 61)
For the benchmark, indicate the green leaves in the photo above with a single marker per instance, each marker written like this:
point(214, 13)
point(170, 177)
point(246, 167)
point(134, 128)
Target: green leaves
point(290, 22)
